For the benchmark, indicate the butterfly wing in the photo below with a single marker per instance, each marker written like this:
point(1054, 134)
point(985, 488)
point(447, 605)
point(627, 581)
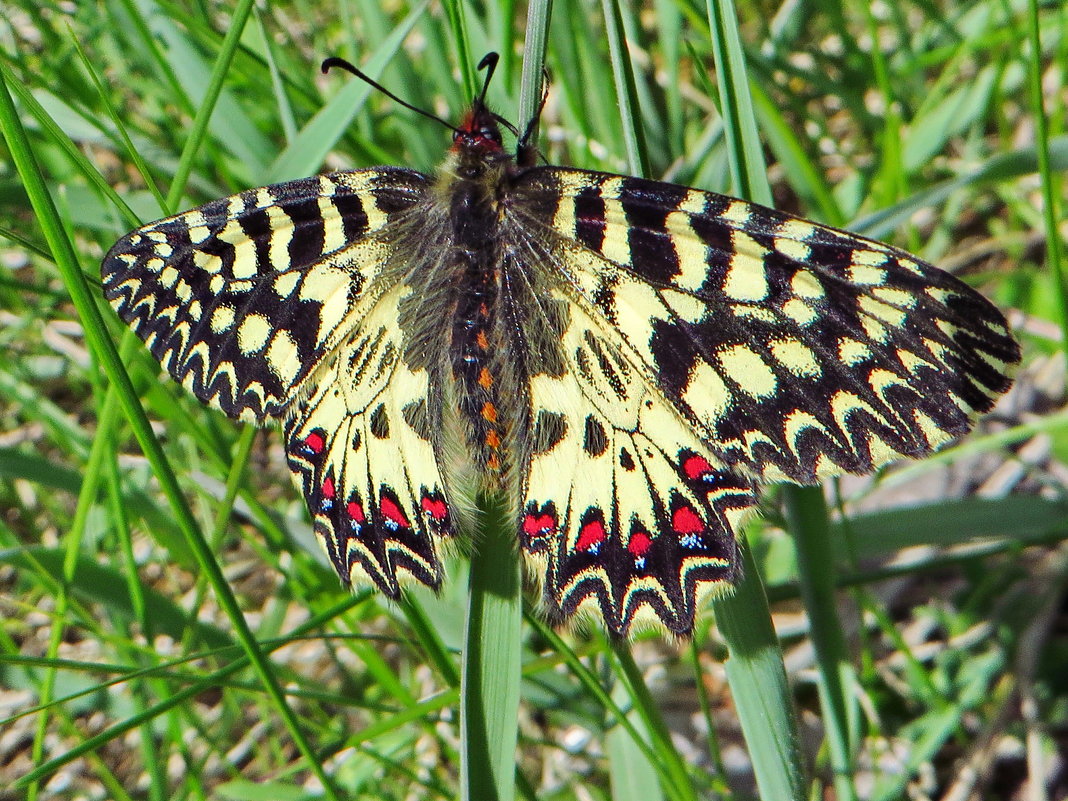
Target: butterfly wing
point(360, 447)
point(240, 299)
point(624, 509)
point(710, 344)
point(283, 302)
point(797, 351)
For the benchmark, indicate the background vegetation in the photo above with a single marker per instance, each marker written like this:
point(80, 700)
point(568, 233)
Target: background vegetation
point(127, 668)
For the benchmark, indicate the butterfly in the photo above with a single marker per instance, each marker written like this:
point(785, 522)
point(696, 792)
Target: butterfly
point(622, 361)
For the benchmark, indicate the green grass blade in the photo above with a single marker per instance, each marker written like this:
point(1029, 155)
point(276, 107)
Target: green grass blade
point(755, 670)
point(531, 77)
point(489, 684)
point(803, 175)
point(679, 784)
point(454, 11)
point(592, 686)
point(305, 154)
point(1051, 184)
point(759, 688)
point(207, 106)
point(998, 169)
point(61, 139)
point(626, 92)
point(631, 775)
point(744, 153)
point(806, 515)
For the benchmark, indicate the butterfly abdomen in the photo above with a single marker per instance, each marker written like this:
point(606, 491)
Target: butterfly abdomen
point(474, 220)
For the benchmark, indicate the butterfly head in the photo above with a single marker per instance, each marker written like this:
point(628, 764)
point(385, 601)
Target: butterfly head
point(479, 134)
point(477, 145)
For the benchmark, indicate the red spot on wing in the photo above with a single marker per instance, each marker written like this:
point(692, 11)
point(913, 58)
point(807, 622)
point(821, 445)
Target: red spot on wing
point(538, 524)
point(435, 507)
point(356, 512)
point(328, 489)
point(686, 521)
point(393, 513)
point(639, 543)
point(591, 536)
point(314, 442)
point(696, 467)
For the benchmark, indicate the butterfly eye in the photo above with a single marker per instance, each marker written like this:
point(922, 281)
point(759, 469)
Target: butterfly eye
point(479, 136)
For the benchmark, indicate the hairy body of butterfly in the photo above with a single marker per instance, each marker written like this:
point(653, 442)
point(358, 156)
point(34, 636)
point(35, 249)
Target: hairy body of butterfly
point(622, 360)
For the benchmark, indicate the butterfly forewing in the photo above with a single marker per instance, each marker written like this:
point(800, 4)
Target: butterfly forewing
point(240, 298)
point(795, 350)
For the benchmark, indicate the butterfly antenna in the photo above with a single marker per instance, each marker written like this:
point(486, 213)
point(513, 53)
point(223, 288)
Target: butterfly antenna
point(524, 149)
point(334, 61)
point(514, 131)
point(489, 64)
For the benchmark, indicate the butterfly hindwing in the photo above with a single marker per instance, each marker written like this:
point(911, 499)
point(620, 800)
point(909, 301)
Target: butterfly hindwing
point(795, 350)
point(623, 506)
point(360, 448)
point(240, 298)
